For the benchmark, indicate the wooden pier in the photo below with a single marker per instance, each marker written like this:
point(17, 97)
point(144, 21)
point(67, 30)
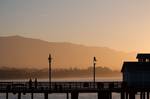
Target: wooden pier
point(104, 90)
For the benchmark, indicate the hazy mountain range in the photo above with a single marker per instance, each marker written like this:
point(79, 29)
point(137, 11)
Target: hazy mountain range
point(20, 52)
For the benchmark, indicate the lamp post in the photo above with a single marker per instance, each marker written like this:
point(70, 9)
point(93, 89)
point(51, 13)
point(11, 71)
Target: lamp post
point(50, 73)
point(94, 64)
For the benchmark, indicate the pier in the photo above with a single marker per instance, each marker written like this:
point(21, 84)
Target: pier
point(135, 81)
point(104, 90)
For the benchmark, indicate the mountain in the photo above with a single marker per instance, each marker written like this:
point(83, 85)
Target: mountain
point(20, 52)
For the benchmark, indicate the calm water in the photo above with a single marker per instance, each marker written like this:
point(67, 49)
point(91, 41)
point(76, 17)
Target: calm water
point(56, 96)
point(63, 96)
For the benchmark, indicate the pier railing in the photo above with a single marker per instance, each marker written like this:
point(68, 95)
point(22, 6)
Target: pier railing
point(58, 86)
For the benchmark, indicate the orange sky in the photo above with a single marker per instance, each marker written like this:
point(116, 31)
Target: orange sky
point(119, 24)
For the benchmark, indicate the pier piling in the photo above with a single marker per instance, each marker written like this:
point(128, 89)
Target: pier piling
point(104, 95)
point(74, 95)
point(143, 95)
point(67, 95)
point(132, 95)
point(100, 95)
point(45, 95)
point(19, 95)
point(7, 95)
point(122, 95)
point(127, 95)
point(32, 95)
point(147, 95)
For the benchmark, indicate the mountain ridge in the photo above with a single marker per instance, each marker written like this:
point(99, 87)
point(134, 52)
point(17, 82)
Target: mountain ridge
point(18, 51)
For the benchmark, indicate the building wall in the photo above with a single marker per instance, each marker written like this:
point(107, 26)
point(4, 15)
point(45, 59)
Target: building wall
point(137, 79)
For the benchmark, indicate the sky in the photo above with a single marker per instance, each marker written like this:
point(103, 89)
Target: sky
point(118, 24)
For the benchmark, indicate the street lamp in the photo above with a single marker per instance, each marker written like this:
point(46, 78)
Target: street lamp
point(94, 64)
point(50, 73)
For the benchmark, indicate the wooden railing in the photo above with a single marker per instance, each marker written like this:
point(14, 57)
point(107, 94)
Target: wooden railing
point(58, 86)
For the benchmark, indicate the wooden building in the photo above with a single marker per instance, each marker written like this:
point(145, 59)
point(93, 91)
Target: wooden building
point(137, 74)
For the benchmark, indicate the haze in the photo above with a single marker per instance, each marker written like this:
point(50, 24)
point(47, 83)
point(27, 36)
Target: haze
point(118, 24)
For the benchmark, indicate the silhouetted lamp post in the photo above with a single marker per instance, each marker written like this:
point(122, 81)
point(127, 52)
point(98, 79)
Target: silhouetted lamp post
point(50, 62)
point(94, 64)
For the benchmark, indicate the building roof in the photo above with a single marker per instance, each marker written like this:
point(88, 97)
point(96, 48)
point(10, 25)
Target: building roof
point(136, 66)
point(143, 56)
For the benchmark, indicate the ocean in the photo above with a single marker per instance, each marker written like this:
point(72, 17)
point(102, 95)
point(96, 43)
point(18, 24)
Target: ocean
point(56, 96)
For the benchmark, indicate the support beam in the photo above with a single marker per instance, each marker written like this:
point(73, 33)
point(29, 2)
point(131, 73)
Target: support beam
point(7, 95)
point(74, 95)
point(19, 95)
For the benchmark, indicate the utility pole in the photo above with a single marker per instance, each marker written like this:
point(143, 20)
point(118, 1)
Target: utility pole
point(50, 70)
point(94, 64)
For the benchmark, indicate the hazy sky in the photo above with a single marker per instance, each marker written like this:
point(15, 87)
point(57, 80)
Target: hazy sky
point(118, 24)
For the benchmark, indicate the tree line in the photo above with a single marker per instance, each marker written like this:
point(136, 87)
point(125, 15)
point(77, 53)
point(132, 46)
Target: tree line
point(26, 73)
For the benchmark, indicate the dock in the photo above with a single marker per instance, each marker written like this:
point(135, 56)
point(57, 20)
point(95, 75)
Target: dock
point(104, 90)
